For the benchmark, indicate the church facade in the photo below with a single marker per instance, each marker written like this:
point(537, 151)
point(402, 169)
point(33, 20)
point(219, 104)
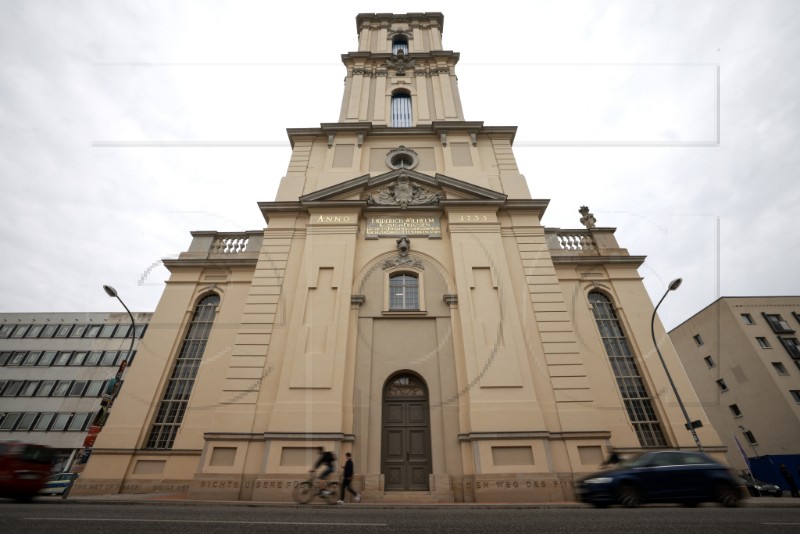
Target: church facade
point(404, 303)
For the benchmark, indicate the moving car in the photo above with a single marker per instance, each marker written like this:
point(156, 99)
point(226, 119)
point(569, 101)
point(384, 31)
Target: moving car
point(24, 468)
point(759, 488)
point(57, 484)
point(671, 476)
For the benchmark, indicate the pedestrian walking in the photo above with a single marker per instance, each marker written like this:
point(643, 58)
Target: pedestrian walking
point(347, 479)
point(789, 480)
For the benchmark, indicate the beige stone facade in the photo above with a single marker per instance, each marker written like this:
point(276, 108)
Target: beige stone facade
point(743, 356)
point(405, 303)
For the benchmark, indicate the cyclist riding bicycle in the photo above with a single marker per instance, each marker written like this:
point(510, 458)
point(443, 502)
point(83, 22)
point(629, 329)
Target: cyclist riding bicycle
point(326, 458)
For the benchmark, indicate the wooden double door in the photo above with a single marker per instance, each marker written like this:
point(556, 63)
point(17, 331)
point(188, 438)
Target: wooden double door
point(406, 436)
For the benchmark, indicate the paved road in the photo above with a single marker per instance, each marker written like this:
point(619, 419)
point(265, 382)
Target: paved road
point(182, 518)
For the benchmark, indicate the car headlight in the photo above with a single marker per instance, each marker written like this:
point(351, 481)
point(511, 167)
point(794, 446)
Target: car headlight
point(598, 480)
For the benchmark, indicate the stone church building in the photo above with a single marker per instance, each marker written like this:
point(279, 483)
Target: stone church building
point(404, 303)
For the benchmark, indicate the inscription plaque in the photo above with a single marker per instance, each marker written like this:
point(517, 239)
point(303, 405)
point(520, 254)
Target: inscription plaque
point(384, 226)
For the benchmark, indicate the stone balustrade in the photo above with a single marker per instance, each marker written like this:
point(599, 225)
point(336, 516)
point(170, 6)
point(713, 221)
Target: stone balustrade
point(583, 242)
point(224, 245)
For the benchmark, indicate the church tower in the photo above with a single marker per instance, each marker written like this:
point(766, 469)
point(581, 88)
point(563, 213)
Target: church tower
point(404, 303)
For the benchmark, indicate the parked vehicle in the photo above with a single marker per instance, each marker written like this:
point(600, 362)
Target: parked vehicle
point(758, 488)
point(24, 468)
point(57, 484)
point(673, 476)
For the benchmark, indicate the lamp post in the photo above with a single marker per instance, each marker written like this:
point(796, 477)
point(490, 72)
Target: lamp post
point(112, 389)
point(690, 425)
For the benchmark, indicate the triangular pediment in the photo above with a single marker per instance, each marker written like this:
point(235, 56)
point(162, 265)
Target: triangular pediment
point(403, 187)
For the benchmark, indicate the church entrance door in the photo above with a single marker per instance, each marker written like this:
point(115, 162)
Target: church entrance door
point(406, 440)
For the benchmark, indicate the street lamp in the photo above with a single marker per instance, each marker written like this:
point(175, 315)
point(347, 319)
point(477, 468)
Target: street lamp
point(690, 425)
point(112, 389)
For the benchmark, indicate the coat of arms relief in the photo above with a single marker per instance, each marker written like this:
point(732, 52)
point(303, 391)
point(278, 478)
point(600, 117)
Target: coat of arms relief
point(404, 193)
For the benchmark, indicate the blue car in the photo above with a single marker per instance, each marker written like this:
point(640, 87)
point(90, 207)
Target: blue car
point(688, 478)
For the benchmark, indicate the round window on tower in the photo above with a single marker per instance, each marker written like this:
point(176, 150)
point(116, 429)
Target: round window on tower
point(402, 158)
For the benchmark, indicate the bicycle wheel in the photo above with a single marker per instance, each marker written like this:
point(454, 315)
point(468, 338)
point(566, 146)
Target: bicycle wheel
point(333, 496)
point(304, 492)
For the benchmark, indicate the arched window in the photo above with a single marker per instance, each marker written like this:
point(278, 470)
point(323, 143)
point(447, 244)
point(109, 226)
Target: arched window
point(403, 292)
point(401, 110)
point(176, 395)
point(637, 400)
point(400, 42)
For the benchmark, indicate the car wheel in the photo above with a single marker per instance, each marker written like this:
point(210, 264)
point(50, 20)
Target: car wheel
point(727, 496)
point(629, 496)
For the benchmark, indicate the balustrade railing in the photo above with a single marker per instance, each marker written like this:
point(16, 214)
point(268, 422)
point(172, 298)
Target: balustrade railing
point(229, 245)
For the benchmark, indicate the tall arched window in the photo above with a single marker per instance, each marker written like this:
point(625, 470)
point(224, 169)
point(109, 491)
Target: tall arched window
point(637, 400)
point(401, 110)
point(403, 292)
point(400, 42)
point(176, 395)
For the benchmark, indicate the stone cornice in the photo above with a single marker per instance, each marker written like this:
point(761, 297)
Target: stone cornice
point(437, 129)
point(171, 264)
point(534, 434)
point(433, 17)
point(564, 258)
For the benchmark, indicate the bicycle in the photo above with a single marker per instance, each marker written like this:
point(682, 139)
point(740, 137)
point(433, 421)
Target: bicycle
point(305, 491)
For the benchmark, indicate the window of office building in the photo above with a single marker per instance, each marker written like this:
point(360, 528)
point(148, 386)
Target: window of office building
point(47, 358)
point(710, 362)
point(734, 408)
point(9, 421)
point(698, 339)
point(45, 388)
point(791, 346)
point(751, 438)
point(780, 368)
point(778, 325)
point(795, 395)
point(169, 415)
point(60, 422)
point(34, 330)
point(19, 331)
point(43, 422)
point(763, 343)
point(26, 421)
point(748, 319)
point(722, 385)
point(635, 396)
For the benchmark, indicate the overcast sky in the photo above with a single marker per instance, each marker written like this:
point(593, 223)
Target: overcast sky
point(124, 125)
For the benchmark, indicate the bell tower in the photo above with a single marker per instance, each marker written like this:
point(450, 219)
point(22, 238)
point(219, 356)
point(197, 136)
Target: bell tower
point(400, 76)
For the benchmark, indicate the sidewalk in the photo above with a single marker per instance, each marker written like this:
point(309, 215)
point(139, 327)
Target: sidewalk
point(177, 498)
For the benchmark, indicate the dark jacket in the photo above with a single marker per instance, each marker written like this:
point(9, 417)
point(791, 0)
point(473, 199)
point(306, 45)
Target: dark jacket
point(326, 458)
point(348, 468)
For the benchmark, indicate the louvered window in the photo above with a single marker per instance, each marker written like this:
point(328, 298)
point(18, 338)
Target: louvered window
point(401, 110)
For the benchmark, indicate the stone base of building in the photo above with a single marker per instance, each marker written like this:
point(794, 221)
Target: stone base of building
point(495, 488)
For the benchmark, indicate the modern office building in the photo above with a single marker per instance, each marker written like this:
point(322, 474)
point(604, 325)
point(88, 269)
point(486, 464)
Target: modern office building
point(743, 357)
point(54, 369)
point(404, 302)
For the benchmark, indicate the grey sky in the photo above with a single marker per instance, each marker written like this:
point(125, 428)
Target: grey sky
point(124, 125)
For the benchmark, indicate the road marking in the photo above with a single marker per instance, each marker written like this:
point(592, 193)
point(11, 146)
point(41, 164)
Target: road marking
point(332, 524)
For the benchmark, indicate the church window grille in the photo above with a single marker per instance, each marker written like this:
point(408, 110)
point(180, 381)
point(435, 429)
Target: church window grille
point(635, 396)
point(176, 395)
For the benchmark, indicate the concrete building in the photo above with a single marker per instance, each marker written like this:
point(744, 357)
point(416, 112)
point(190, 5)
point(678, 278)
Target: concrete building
point(405, 303)
point(54, 368)
point(743, 357)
